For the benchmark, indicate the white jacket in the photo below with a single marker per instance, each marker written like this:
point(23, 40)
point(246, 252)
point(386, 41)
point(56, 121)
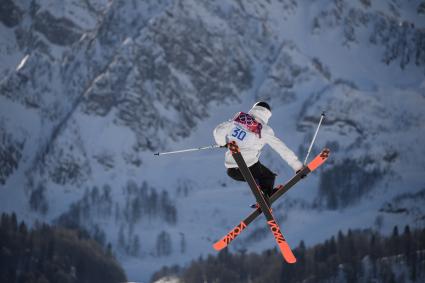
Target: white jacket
point(251, 144)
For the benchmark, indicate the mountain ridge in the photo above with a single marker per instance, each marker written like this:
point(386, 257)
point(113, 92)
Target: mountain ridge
point(143, 77)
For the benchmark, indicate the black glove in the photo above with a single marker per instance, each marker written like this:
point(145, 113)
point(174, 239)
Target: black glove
point(303, 175)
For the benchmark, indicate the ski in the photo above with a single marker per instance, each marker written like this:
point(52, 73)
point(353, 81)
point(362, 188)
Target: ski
point(286, 251)
point(313, 165)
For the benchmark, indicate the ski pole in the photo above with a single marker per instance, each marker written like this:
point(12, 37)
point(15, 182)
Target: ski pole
point(314, 137)
point(190, 149)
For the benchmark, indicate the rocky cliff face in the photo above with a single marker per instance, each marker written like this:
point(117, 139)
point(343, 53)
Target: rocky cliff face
point(90, 89)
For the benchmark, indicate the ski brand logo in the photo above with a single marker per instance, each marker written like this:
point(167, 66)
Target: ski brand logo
point(276, 231)
point(235, 232)
point(325, 153)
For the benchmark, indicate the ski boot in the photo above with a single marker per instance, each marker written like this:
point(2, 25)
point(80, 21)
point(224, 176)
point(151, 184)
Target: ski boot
point(266, 198)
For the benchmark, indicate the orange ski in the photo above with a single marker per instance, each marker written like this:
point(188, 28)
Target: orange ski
point(286, 251)
point(313, 165)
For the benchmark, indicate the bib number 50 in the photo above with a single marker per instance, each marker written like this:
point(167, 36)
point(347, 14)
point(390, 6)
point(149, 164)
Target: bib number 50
point(239, 134)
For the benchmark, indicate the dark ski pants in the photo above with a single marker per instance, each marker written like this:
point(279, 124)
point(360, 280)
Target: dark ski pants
point(262, 175)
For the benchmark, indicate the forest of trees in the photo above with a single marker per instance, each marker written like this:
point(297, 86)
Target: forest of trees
point(142, 202)
point(46, 254)
point(357, 256)
point(349, 175)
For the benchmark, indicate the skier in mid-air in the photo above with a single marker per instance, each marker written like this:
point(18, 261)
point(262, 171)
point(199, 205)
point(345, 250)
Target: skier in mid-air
point(245, 136)
point(251, 132)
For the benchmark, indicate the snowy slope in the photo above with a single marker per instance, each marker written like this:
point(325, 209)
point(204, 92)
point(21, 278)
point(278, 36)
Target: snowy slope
point(82, 115)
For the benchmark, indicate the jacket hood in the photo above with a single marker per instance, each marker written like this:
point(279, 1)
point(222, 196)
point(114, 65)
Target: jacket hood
point(260, 113)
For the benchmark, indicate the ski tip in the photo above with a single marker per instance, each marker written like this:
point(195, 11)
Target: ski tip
point(287, 253)
point(319, 159)
point(291, 260)
point(218, 246)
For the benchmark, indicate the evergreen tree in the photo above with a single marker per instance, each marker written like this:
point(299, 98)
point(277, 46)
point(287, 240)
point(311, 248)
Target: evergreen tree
point(135, 247)
point(121, 238)
point(38, 201)
point(182, 243)
point(163, 244)
point(394, 241)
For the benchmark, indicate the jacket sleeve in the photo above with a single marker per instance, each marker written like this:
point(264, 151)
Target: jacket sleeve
point(284, 152)
point(221, 131)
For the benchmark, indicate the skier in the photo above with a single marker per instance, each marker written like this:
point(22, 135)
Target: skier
point(251, 132)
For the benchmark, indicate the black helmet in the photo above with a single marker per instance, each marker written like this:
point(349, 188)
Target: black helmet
point(263, 104)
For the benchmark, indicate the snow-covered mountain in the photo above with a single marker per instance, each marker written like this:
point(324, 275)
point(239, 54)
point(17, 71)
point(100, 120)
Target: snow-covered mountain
point(89, 90)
